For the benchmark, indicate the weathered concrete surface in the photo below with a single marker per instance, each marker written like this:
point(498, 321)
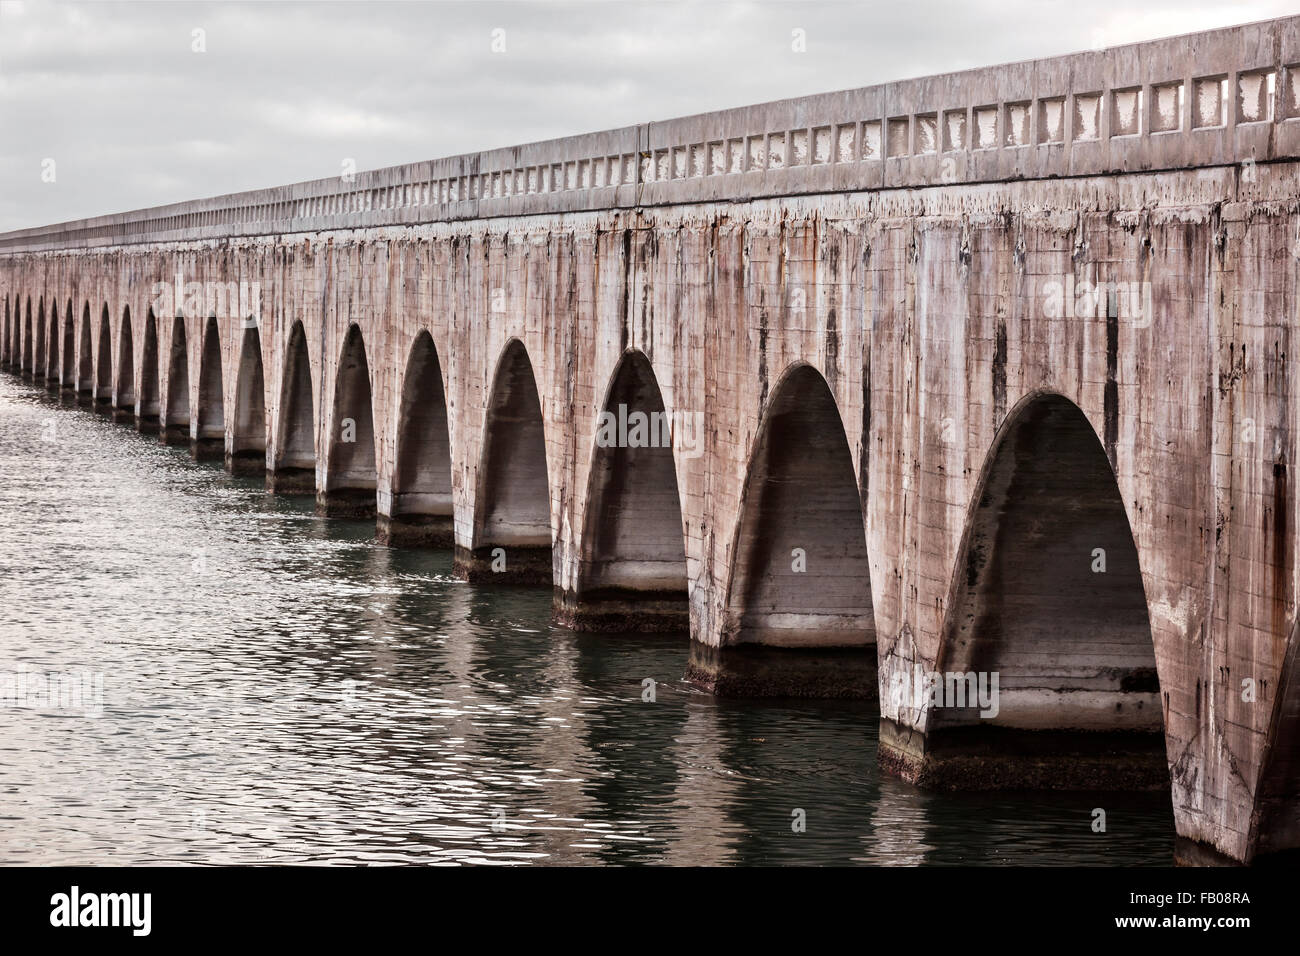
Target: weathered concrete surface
point(902, 352)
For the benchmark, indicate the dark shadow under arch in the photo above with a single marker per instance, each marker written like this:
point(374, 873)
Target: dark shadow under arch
point(52, 349)
point(85, 360)
point(40, 363)
point(68, 353)
point(209, 441)
point(351, 480)
point(27, 340)
point(799, 618)
point(124, 394)
point(248, 438)
point(1278, 814)
point(632, 558)
point(512, 524)
point(421, 503)
point(104, 364)
point(294, 467)
point(1048, 596)
point(176, 425)
point(150, 414)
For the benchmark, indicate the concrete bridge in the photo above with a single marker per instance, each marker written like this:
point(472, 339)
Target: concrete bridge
point(987, 372)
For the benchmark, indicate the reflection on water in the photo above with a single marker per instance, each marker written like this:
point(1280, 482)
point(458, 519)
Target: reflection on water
point(278, 688)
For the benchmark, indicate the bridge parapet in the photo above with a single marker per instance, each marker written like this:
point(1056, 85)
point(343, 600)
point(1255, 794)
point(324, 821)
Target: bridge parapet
point(1217, 98)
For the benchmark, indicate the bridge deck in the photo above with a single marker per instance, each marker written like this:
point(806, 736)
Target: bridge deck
point(1204, 99)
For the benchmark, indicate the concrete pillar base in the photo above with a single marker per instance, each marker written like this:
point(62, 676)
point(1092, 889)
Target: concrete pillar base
point(123, 416)
point(147, 425)
point(246, 463)
point(208, 449)
point(1193, 853)
point(755, 670)
point(523, 565)
point(624, 610)
point(291, 481)
point(416, 531)
point(1004, 758)
point(52, 385)
point(175, 435)
point(346, 503)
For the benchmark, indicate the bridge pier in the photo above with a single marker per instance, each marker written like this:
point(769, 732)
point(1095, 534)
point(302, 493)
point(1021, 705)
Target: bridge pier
point(647, 610)
point(416, 530)
point(250, 463)
point(1002, 758)
point(356, 503)
point(291, 481)
point(757, 670)
point(174, 434)
point(207, 449)
point(524, 564)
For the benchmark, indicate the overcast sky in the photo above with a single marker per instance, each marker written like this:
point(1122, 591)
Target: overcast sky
point(132, 116)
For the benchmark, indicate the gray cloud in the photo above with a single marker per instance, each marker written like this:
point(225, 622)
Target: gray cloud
point(114, 94)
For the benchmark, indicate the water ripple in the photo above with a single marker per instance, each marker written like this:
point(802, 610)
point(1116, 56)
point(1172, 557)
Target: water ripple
point(277, 688)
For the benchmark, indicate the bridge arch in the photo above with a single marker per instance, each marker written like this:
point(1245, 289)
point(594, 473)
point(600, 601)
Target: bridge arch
point(799, 617)
point(27, 339)
point(351, 476)
point(421, 494)
point(14, 338)
point(125, 392)
point(39, 361)
point(104, 363)
point(68, 353)
point(632, 556)
point(512, 522)
point(16, 345)
point(150, 393)
point(209, 442)
point(1048, 595)
point(52, 348)
point(248, 449)
point(176, 426)
point(294, 466)
point(85, 362)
